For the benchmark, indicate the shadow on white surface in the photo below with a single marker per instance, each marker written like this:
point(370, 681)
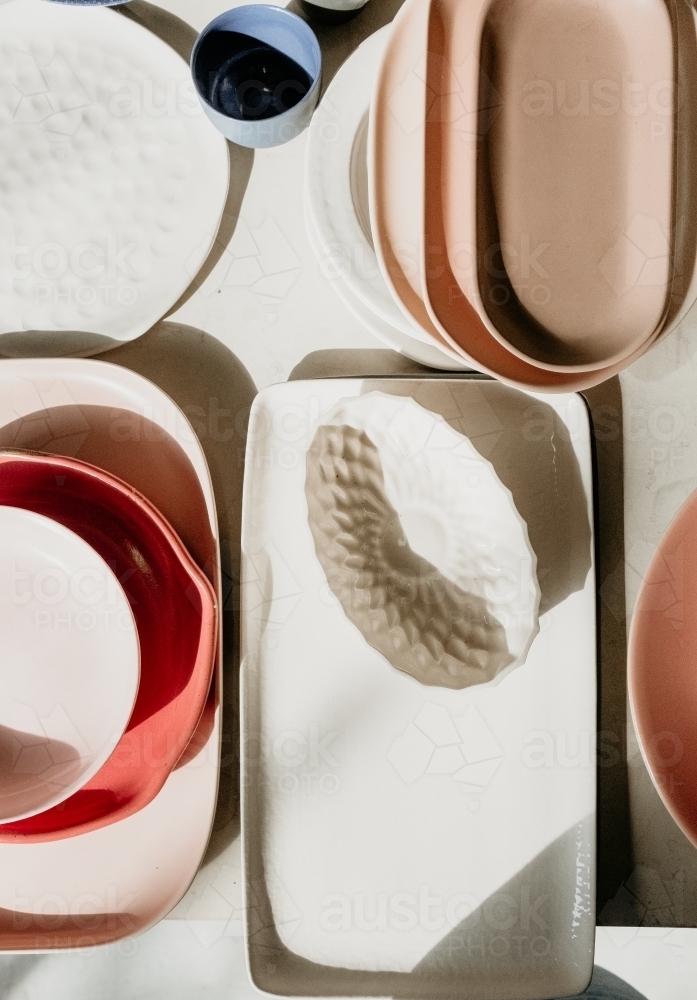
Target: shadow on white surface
point(168, 962)
point(172, 961)
point(215, 391)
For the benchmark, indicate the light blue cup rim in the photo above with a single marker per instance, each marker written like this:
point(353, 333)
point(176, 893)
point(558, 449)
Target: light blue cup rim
point(274, 11)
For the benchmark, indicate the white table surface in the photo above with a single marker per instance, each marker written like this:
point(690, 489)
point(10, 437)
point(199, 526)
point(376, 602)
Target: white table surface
point(179, 961)
point(266, 301)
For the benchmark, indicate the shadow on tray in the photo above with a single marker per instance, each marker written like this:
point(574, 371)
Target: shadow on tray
point(215, 392)
point(615, 862)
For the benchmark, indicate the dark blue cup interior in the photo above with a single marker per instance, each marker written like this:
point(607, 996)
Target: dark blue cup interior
point(256, 62)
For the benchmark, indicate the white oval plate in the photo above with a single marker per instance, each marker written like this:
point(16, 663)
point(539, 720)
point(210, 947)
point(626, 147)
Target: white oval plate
point(391, 336)
point(70, 666)
point(337, 188)
point(112, 180)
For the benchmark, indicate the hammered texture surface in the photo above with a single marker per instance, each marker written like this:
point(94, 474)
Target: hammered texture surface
point(112, 181)
point(420, 542)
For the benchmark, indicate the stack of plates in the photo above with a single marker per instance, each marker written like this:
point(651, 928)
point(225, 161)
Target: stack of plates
point(109, 583)
point(445, 182)
point(337, 212)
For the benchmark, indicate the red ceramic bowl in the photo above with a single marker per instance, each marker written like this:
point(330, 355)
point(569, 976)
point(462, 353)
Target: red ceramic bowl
point(663, 668)
point(176, 613)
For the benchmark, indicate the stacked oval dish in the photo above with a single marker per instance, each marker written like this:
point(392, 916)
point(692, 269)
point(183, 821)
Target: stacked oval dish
point(521, 203)
point(110, 664)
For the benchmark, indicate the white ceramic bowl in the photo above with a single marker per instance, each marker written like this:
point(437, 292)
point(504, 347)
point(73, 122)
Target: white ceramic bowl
point(70, 664)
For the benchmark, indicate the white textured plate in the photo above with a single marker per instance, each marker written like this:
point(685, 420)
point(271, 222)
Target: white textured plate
point(337, 193)
point(70, 663)
point(112, 180)
point(406, 839)
point(119, 880)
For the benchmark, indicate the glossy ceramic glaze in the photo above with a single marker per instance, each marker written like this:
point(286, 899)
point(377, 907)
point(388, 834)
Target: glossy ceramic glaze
point(662, 687)
point(70, 663)
point(135, 871)
point(127, 185)
point(176, 614)
point(410, 786)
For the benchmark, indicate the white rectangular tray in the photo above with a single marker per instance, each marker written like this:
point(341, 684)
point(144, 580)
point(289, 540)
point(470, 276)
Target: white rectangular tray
point(374, 864)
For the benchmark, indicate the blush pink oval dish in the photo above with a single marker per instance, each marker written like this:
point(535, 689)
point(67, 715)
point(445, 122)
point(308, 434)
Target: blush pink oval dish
point(547, 197)
point(176, 614)
point(663, 668)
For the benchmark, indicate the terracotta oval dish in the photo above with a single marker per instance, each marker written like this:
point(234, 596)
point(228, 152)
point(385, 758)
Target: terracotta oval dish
point(70, 663)
point(449, 118)
point(563, 183)
point(176, 613)
point(663, 668)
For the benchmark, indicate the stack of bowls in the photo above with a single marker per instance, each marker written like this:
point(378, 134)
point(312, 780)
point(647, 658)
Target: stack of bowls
point(524, 210)
point(110, 636)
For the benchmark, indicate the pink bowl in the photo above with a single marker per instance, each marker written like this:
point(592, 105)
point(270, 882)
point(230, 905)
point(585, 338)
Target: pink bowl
point(176, 613)
point(663, 668)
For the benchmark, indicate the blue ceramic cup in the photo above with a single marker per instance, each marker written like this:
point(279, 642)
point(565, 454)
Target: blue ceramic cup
point(257, 72)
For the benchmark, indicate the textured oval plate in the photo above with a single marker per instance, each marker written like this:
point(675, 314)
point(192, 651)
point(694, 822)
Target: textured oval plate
point(113, 182)
point(70, 664)
point(663, 671)
point(176, 613)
